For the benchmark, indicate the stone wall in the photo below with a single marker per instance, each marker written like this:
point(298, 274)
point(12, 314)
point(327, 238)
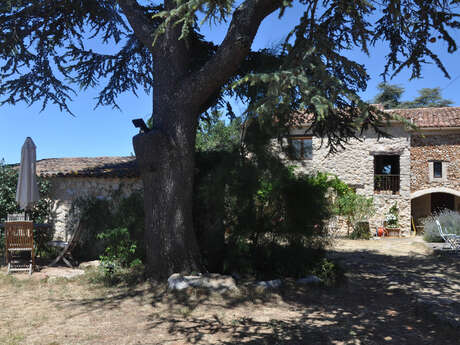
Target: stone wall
point(65, 190)
point(355, 166)
point(435, 147)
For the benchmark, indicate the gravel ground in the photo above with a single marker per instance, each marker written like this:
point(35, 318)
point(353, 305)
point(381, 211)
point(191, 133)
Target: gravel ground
point(393, 295)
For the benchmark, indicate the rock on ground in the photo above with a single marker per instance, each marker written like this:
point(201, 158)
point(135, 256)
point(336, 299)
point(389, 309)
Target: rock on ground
point(309, 280)
point(47, 273)
point(61, 272)
point(87, 264)
point(215, 282)
point(270, 284)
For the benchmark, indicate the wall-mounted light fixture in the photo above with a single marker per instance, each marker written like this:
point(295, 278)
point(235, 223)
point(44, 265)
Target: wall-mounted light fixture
point(139, 123)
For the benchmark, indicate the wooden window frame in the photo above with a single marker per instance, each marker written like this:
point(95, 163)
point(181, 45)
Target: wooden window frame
point(302, 139)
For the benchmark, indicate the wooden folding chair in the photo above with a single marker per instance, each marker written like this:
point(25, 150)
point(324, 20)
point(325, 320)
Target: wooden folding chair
point(19, 237)
point(66, 248)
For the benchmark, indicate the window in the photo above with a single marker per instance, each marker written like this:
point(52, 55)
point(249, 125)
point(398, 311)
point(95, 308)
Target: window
point(437, 169)
point(386, 173)
point(301, 148)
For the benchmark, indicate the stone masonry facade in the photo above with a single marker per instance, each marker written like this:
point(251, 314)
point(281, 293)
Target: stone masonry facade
point(435, 147)
point(429, 162)
point(66, 190)
point(426, 149)
point(416, 153)
point(355, 166)
point(82, 178)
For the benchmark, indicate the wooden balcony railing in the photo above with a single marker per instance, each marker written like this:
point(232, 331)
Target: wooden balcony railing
point(386, 182)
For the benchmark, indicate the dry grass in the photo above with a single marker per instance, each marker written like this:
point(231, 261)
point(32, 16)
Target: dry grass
point(376, 306)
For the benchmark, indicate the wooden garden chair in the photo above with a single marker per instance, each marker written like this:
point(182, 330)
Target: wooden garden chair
point(15, 217)
point(19, 237)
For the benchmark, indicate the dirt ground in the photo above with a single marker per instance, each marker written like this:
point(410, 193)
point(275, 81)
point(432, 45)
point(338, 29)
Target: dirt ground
point(378, 304)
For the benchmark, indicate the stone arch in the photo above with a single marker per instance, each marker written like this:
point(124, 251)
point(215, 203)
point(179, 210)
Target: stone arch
point(422, 192)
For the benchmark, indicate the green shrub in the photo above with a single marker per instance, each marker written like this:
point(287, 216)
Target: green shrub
point(450, 222)
point(354, 207)
point(361, 231)
point(329, 272)
point(108, 220)
point(127, 276)
point(254, 216)
point(272, 260)
point(119, 254)
point(119, 250)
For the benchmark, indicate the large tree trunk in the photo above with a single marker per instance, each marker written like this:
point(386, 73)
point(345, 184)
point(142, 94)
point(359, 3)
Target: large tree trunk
point(166, 157)
point(166, 154)
point(166, 162)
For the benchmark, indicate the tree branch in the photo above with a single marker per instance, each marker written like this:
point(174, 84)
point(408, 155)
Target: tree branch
point(141, 25)
point(245, 22)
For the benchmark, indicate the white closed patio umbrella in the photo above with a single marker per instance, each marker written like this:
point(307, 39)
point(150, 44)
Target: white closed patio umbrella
point(27, 190)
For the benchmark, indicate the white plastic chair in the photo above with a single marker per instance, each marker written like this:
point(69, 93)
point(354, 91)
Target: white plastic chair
point(452, 240)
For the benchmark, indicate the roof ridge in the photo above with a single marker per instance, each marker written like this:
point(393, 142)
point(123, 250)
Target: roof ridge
point(103, 166)
point(52, 158)
point(429, 108)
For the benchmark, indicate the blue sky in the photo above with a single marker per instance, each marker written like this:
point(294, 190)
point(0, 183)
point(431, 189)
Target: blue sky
point(108, 132)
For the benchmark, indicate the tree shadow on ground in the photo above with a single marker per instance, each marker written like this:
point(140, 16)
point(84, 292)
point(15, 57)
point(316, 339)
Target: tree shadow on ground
point(378, 304)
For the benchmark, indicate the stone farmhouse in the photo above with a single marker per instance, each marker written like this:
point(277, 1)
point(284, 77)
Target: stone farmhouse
point(420, 170)
point(73, 178)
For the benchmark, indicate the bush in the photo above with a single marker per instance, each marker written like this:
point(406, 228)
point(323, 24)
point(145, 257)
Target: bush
point(329, 272)
point(107, 222)
point(119, 254)
point(272, 260)
point(128, 276)
point(120, 249)
point(254, 216)
point(361, 231)
point(355, 208)
point(450, 221)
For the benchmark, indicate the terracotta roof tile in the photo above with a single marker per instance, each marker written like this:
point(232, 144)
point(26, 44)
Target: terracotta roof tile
point(422, 117)
point(431, 117)
point(88, 167)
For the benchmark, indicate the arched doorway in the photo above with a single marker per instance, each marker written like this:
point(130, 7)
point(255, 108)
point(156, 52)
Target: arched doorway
point(441, 201)
point(432, 200)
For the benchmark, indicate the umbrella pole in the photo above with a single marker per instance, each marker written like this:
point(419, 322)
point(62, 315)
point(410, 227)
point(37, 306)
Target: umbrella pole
point(28, 213)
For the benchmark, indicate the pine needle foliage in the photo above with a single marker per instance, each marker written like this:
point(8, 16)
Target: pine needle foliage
point(427, 98)
point(45, 53)
point(390, 97)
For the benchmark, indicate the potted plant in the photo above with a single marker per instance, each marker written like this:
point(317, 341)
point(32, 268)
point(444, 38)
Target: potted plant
point(392, 218)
